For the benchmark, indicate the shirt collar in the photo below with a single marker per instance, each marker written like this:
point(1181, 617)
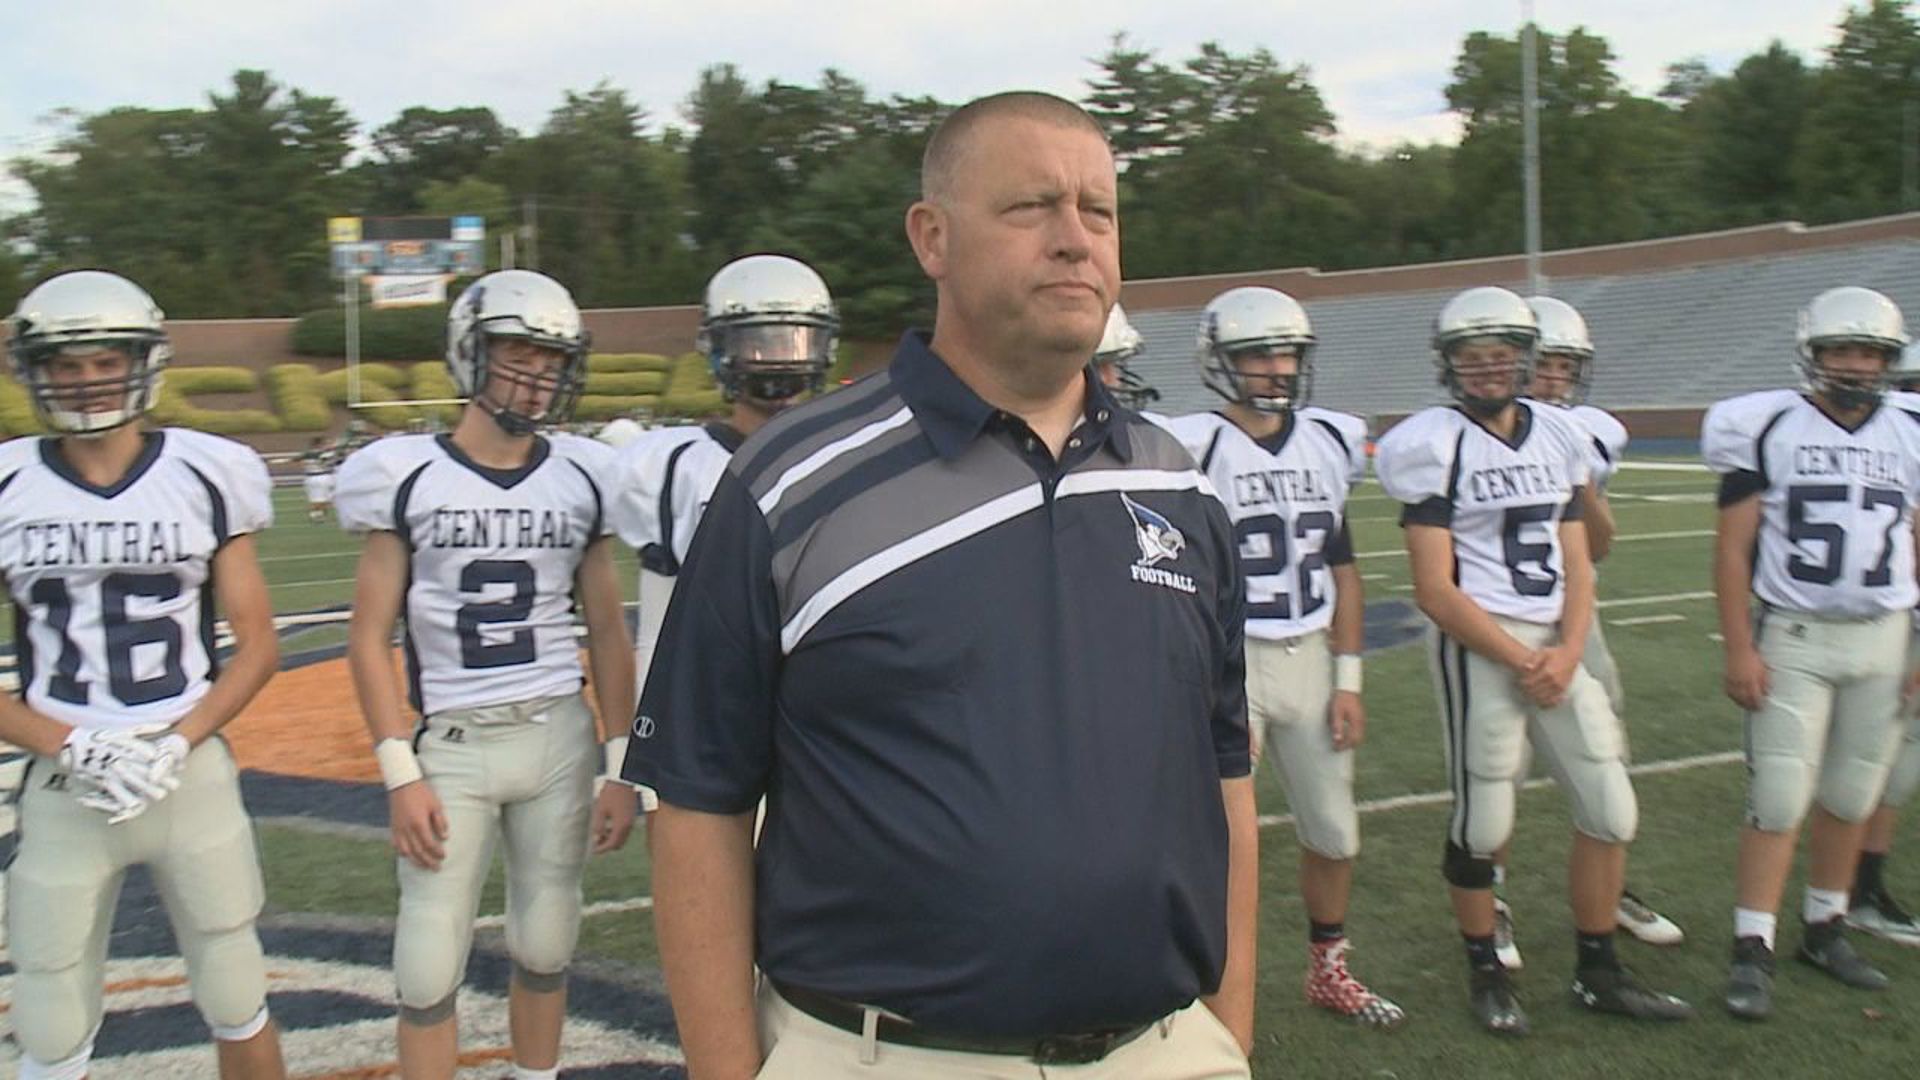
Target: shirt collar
point(952, 415)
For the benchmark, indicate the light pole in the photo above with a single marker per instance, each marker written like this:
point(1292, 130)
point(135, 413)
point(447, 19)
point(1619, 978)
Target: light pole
point(1530, 135)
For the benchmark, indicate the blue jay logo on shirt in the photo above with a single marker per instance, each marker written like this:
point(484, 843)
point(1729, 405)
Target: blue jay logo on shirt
point(1159, 541)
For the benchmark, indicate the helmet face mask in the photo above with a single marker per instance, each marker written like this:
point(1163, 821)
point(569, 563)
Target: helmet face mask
point(1857, 317)
point(1484, 343)
point(1262, 328)
point(90, 348)
point(1561, 378)
point(513, 317)
point(768, 327)
point(1112, 363)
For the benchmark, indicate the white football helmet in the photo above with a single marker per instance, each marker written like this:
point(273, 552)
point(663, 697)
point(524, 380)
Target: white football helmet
point(1482, 314)
point(85, 311)
point(1254, 318)
point(768, 327)
point(525, 305)
point(1905, 373)
point(1564, 333)
point(1118, 346)
point(1849, 315)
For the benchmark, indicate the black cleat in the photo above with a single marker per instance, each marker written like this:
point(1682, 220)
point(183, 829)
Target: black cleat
point(1825, 946)
point(1616, 991)
point(1750, 979)
point(1490, 993)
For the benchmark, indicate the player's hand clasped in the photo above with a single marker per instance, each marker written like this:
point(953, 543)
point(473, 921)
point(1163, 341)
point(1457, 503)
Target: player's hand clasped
point(1547, 674)
point(119, 773)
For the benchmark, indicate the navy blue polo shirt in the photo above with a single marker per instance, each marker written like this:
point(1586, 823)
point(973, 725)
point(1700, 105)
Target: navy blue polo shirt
point(990, 698)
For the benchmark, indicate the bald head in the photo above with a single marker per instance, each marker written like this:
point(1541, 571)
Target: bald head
point(947, 150)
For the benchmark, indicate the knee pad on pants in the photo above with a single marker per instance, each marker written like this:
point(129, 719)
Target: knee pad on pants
point(543, 922)
point(1483, 817)
point(1607, 810)
point(72, 1067)
point(1850, 787)
point(1779, 790)
point(229, 976)
point(430, 944)
point(1331, 833)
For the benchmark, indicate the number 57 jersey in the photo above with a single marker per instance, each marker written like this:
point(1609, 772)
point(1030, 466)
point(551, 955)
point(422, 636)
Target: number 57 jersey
point(1503, 498)
point(113, 586)
point(1287, 498)
point(489, 604)
point(1836, 505)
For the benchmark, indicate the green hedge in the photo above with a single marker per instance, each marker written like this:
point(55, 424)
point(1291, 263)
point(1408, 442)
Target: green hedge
point(16, 410)
point(298, 397)
point(385, 333)
point(173, 407)
point(621, 363)
point(691, 391)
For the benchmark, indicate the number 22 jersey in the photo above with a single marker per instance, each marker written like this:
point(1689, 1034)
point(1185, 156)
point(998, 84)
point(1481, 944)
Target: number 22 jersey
point(1836, 505)
point(489, 605)
point(1503, 499)
point(113, 586)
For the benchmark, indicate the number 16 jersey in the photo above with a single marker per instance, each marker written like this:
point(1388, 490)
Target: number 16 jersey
point(489, 605)
point(1836, 505)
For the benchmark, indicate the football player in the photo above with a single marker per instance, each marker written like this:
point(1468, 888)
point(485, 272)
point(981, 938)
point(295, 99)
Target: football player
point(1113, 364)
point(1817, 489)
point(1562, 375)
point(1284, 470)
point(1872, 907)
point(316, 477)
point(117, 544)
point(768, 327)
point(487, 539)
point(1493, 494)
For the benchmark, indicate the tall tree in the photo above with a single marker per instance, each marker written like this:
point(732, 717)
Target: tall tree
point(422, 146)
point(1855, 156)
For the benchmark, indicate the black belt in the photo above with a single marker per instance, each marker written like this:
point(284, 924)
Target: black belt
point(1081, 1049)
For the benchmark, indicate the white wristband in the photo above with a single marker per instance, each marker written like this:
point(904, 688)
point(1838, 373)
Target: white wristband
point(398, 766)
point(615, 750)
point(1347, 673)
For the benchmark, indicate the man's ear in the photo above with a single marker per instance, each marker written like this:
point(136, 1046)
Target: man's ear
point(927, 232)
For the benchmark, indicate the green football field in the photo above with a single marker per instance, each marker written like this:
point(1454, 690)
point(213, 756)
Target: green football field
point(1659, 618)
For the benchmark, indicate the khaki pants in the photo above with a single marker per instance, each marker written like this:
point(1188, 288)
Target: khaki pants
point(1905, 777)
point(65, 882)
point(1187, 1045)
point(1289, 689)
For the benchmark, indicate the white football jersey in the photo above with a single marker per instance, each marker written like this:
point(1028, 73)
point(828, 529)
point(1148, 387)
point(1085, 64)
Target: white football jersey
point(1287, 498)
point(1504, 501)
point(1606, 438)
point(489, 607)
point(1836, 512)
point(112, 587)
point(661, 483)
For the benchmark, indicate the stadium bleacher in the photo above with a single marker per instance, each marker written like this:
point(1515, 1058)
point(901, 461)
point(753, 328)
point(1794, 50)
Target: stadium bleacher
point(1669, 338)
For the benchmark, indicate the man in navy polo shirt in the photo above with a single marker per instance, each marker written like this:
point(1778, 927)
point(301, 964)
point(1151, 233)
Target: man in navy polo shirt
point(976, 634)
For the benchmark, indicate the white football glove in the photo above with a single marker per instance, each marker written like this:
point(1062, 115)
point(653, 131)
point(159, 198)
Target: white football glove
point(115, 772)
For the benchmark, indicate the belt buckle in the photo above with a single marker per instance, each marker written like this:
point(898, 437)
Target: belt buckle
point(1073, 1049)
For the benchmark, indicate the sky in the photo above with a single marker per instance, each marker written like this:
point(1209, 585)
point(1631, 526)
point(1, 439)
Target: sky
point(1382, 65)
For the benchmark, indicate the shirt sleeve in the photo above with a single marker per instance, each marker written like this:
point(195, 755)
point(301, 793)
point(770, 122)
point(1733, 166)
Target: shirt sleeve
point(363, 492)
point(703, 735)
point(1232, 739)
point(249, 492)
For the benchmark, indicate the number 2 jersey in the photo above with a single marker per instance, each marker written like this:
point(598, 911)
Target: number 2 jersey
point(489, 605)
point(1836, 506)
point(1287, 498)
point(1503, 499)
point(113, 587)
point(661, 482)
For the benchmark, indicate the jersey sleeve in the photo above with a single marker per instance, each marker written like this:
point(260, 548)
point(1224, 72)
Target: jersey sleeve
point(1195, 431)
point(1416, 458)
point(634, 509)
point(1575, 442)
point(1606, 442)
point(1350, 432)
point(238, 475)
point(1731, 433)
point(595, 461)
point(365, 485)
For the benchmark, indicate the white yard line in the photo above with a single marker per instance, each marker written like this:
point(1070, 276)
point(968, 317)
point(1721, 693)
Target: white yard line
point(1648, 620)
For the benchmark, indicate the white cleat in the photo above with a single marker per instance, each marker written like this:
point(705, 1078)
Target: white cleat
point(1651, 927)
point(1883, 917)
point(1503, 946)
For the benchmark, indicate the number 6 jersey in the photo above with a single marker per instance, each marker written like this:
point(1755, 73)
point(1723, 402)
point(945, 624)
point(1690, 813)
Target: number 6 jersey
point(1836, 514)
point(1503, 499)
point(113, 587)
point(489, 605)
